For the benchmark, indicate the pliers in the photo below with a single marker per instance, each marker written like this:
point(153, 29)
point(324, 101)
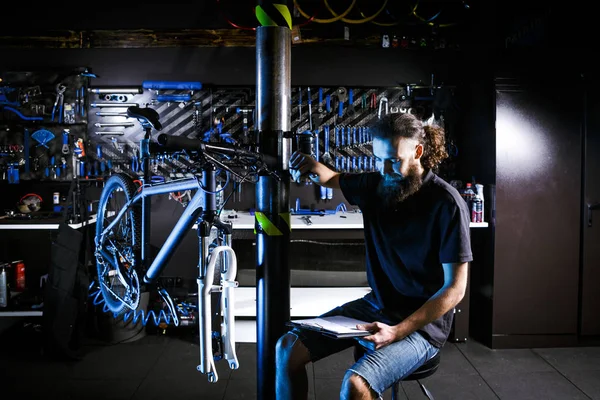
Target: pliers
point(59, 102)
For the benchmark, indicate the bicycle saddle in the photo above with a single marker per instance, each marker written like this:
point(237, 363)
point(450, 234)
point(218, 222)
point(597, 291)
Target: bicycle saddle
point(147, 116)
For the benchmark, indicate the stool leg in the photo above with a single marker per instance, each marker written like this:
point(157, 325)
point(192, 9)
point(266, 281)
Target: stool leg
point(395, 388)
point(425, 391)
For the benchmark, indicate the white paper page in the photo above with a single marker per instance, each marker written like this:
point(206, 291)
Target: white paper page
point(337, 323)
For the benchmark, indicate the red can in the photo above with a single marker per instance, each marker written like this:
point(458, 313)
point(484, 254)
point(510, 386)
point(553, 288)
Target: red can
point(19, 268)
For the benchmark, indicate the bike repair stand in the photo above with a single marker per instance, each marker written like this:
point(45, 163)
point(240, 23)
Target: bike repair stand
point(223, 280)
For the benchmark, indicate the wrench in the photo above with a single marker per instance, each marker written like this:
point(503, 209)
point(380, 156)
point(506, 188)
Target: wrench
point(65, 145)
point(299, 104)
point(320, 109)
point(351, 111)
point(381, 101)
point(123, 124)
point(310, 124)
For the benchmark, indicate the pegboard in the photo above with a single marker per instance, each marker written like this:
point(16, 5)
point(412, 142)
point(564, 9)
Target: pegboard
point(227, 114)
point(40, 113)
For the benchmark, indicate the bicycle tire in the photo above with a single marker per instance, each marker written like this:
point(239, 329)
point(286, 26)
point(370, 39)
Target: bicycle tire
point(120, 182)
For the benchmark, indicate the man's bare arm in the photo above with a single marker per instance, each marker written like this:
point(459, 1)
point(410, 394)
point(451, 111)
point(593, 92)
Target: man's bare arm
point(453, 291)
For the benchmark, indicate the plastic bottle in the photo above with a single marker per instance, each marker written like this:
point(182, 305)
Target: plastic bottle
point(477, 209)
point(19, 269)
point(469, 194)
point(479, 190)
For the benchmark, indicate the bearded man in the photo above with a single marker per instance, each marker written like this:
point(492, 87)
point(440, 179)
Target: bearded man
point(417, 244)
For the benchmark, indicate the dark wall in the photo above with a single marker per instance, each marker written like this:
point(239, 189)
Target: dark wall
point(315, 65)
point(311, 65)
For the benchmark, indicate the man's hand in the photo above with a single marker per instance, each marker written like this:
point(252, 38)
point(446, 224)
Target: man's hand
point(300, 164)
point(382, 334)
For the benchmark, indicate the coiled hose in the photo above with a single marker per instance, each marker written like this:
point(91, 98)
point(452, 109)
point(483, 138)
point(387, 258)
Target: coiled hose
point(136, 316)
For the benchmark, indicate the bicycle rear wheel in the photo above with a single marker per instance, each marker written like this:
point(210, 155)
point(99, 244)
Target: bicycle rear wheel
point(118, 249)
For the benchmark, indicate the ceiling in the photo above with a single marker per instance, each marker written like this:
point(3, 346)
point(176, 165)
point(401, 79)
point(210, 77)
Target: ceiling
point(470, 22)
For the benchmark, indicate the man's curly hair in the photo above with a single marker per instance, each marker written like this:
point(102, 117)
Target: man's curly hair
point(432, 137)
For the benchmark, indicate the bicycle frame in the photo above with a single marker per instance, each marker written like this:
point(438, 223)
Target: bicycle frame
point(200, 209)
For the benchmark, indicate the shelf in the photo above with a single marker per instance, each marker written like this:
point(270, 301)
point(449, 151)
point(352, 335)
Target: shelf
point(20, 313)
point(28, 225)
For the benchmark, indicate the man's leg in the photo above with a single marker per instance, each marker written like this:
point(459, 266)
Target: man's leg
point(378, 370)
point(297, 348)
point(354, 387)
point(291, 357)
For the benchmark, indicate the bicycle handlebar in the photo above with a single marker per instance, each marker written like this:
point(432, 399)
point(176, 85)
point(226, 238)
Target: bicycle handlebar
point(183, 143)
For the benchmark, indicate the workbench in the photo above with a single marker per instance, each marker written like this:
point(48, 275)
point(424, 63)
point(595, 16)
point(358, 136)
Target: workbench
point(341, 225)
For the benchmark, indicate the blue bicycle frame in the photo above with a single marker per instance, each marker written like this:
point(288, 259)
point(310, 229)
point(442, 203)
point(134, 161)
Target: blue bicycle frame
point(201, 209)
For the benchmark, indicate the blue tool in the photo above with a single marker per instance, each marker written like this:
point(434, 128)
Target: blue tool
point(65, 142)
point(320, 107)
point(88, 74)
point(173, 98)
point(341, 207)
point(351, 112)
point(13, 173)
point(82, 101)
point(323, 192)
point(43, 136)
point(23, 117)
point(168, 85)
point(4, 100)
point(135, 165)
point(329, 193)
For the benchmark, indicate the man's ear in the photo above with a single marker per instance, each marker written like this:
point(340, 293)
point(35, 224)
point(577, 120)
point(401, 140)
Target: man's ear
point(418, 151)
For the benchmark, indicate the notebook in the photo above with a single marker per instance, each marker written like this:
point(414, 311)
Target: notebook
point(336, 326)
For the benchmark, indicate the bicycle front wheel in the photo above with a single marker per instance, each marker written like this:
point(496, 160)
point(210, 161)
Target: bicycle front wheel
point(118, 248)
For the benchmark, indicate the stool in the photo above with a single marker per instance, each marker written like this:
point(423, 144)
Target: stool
point(425, 370)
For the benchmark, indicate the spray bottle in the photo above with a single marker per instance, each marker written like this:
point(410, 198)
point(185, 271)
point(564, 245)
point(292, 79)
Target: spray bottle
point(479, 189)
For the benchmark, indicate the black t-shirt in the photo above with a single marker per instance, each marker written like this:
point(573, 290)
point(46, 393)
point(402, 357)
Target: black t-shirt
point(406, 246)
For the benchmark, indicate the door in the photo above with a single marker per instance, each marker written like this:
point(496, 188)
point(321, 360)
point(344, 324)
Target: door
point(590, 282)
point(538, 197)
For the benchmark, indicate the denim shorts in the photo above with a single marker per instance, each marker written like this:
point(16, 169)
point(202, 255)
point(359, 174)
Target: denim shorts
point(380, 368)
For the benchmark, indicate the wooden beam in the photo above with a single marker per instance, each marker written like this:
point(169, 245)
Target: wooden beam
point(150, 38)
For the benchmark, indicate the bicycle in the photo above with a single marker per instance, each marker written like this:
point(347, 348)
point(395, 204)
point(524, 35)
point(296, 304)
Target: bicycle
point(122, 237)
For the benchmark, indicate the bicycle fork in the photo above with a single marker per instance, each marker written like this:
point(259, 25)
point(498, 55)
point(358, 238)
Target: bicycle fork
point(206, 289)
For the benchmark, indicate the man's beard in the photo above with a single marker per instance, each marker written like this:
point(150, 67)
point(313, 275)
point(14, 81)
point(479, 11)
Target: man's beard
point(393, 190)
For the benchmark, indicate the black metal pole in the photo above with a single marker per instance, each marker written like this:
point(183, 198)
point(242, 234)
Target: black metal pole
point(272, 221)
point(146, 210)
